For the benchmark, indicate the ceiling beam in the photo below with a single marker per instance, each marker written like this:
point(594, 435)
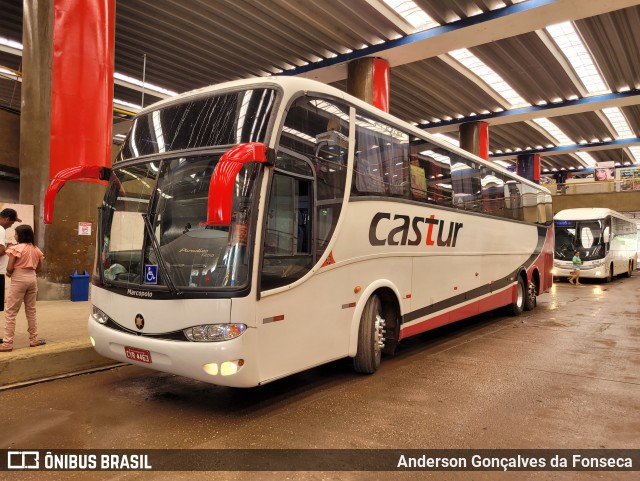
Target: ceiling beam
point(523, 114)
point(569, 149)
point(466, 33)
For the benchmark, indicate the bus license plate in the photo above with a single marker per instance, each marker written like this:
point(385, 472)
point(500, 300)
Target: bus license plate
point(136, 354)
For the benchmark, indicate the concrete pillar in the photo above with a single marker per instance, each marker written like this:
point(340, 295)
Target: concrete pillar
point(368, 79)
point(528, 166)
point(474, 138)
point(65, 250)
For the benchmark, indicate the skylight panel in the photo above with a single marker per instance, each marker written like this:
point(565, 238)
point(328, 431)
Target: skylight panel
point(635, 153)
point(446, 138)
point(489, 76)
point(554, 131)
point(413, 14)
point(614, 114)
point(587, 158)
point(567, 39)
point(502, 163)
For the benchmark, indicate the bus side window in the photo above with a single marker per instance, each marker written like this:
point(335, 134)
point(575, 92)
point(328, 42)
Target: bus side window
point(381, 160)
point(513, 200)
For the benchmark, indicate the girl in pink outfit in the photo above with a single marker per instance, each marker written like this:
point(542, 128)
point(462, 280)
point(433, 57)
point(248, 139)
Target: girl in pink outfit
point(25, 260)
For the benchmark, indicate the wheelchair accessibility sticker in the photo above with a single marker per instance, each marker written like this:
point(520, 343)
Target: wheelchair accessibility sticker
point(151, 274)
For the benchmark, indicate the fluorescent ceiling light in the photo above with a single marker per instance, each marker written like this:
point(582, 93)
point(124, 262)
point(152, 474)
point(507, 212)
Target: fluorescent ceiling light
point(569, 42)
point(554, 131)
point(614, 114)
point(129, 105)
point(10, 43)
point(9, 73)
point(145, 85)
point(413, 14)
point(489, 76)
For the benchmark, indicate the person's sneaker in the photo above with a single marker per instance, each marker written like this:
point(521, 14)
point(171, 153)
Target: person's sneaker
point(37, 342)
point(4, 347)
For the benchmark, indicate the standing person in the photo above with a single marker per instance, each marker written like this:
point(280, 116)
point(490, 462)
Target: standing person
point(25, 259)
point(577, 262)
point(7, 218)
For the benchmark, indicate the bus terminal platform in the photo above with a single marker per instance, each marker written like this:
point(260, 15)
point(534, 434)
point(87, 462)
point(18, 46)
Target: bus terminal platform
point(63, 324)
point(598, 316)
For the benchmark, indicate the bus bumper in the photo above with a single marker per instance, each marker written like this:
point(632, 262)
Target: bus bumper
point(226, 363)
point(585, 272)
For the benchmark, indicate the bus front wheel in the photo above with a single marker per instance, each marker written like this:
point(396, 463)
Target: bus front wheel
point(517, 307)
point(370, 337)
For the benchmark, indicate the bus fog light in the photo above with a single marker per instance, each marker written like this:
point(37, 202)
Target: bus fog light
point(211, 368)
point(93, 341)
point(99, 315)
point(229, 368)
point(214, 332)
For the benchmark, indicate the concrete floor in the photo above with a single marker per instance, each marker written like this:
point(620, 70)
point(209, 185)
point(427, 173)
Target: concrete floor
point(564, 376)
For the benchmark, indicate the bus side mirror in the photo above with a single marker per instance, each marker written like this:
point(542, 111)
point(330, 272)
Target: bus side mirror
point(220, 197)
point(84, 173)
point(606, 235)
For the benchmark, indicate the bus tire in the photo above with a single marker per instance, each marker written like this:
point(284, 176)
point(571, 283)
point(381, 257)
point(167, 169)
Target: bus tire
point(530, 299)
point(516, 308)
point(629, 270)
point(370, 337)
point(609, 277)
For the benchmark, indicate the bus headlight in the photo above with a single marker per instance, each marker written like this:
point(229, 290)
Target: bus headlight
point(214, 332)
point(99, 315)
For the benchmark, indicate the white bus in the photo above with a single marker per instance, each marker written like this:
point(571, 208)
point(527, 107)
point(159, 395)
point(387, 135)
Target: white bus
point(607, 241)
point(259, 228)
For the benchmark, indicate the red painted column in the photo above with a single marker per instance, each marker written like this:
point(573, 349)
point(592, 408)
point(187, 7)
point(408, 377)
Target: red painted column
point(82, 84)
point(369, 79)
point(528, 166)
point(474, 138)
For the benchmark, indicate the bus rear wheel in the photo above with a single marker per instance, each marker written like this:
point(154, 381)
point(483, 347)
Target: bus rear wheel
point(370, 337)
point(517, 307)
point(530, 299)
point(629, 269)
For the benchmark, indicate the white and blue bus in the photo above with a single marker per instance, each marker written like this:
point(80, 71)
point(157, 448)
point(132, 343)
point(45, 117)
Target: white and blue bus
point(262, 227)
point(607, 242)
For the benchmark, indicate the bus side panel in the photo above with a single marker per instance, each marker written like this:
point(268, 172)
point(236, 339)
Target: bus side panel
point(310, 323)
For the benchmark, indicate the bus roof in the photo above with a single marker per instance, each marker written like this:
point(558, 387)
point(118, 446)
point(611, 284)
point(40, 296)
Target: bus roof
point(292, 85)
point(588, 213)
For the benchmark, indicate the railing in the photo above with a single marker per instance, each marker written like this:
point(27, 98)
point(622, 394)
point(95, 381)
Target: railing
point(580, 186)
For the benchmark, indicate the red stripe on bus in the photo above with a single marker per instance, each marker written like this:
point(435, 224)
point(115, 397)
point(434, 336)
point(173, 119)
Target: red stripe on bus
point(489, 303)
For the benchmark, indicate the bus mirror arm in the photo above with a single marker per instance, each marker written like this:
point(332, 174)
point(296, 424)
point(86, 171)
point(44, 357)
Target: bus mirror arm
point(87, 173)
point(220, 196)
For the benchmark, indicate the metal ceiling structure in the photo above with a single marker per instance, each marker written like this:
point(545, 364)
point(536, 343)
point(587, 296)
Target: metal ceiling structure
point(188, 44)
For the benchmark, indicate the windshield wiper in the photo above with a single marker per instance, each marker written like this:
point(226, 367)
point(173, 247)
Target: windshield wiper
point(164, 270)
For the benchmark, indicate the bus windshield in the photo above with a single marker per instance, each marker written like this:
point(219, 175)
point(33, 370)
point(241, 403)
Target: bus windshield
point(154, 217)
point(154, 230)
point(584, 235)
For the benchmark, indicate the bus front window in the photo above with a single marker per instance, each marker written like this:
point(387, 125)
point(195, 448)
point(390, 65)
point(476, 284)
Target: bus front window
point(585, 236)
point(185, 253)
